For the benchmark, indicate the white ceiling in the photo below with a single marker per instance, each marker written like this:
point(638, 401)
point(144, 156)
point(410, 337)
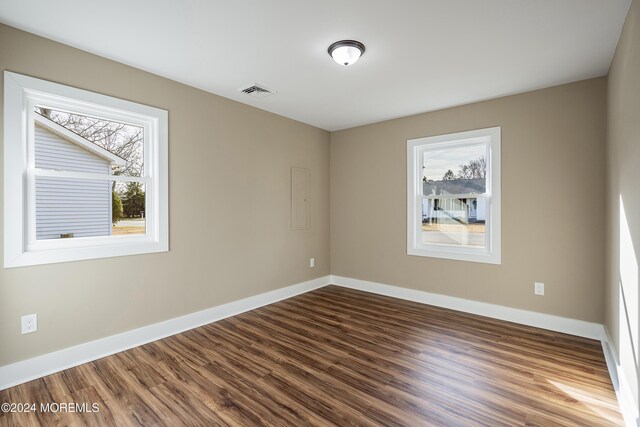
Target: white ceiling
point(421, 55)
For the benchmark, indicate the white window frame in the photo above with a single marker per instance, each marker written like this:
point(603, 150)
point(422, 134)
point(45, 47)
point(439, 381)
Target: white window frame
point(21, 95)
point(416, 148)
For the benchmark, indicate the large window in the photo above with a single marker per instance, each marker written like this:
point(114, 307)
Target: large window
point(453, 196)
point(85, 174)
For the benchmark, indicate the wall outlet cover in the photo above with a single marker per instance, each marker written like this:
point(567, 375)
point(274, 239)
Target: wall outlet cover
point(29, 323)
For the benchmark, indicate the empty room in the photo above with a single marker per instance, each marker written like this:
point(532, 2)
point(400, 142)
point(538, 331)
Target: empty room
point(330, 213)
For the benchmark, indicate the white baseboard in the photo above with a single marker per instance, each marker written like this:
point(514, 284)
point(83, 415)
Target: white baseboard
point(27, 370)
point(580, 328)
point(531, 318)
point(628, 405)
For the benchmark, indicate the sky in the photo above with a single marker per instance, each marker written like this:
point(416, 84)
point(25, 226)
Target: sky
point(438, 162)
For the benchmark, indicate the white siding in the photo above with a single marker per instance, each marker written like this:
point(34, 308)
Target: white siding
point(54, 152)
point(81, 207)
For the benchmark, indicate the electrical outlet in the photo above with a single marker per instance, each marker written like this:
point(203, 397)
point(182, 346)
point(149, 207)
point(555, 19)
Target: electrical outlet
point(538, 288)
point(312, 262)
point(29, 323)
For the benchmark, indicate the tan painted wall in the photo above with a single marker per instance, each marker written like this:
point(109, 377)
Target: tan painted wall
point(552, 202)
point(623, 173)
point(229, 209)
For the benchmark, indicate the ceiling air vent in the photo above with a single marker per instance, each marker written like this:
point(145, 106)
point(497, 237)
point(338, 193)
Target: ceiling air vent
point(257, 90)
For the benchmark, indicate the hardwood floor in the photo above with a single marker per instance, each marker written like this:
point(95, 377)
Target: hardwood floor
point(336, 356)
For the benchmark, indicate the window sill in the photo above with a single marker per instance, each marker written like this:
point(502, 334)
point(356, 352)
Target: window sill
point(457, 255)
point(51, 256)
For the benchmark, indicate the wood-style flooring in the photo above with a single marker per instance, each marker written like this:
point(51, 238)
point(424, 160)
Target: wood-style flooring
point(341, 357)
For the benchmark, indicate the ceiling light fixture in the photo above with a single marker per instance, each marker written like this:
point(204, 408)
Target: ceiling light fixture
point(346, 52)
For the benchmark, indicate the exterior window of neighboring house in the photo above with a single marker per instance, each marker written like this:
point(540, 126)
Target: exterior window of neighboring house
point(453, 196)
point(85, 175)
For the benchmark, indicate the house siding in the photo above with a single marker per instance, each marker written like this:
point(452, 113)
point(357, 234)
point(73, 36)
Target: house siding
point(80, 207)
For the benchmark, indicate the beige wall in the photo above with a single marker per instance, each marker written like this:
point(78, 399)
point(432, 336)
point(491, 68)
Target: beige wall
point(552, 202)
point(229, 209)
point(623, 203)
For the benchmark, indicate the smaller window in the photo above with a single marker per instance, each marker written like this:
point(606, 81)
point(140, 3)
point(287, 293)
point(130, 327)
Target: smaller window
point(453, 196)
point(85, 174)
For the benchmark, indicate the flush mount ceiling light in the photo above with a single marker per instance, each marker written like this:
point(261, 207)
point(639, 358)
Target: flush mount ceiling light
point(346, 52)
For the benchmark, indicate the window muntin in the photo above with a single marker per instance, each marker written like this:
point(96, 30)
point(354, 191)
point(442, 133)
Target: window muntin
point(48, 187)
point(454, 196)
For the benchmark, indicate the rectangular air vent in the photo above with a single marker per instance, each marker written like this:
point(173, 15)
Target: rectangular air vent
point(257, 90)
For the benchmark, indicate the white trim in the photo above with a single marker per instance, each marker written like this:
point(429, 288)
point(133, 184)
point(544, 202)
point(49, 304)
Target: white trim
point(27, 370)
point(53, 173)
point(37, 367)
point(628, 405)
point(596, 331)
point(531, 318)
point(550, 322)
point(14, 203)
point(21, 94)
point(76, 139)
point(490, 254)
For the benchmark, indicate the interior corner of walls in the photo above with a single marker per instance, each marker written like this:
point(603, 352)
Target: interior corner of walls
point(611, 358)
point(628, 404)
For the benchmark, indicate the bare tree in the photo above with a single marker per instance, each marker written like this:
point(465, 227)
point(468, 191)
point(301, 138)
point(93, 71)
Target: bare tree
point(45, 112)
point(123, 140)
point(474, 169)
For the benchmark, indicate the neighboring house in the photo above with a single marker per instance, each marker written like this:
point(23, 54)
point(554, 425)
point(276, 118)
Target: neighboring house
point(438, 203)
point(71, 207)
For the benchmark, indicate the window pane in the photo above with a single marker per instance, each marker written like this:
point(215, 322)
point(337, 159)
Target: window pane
point(132, 218)
point(93, 145)
point(72, 208)
point(459, 170)
point(453, 221)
